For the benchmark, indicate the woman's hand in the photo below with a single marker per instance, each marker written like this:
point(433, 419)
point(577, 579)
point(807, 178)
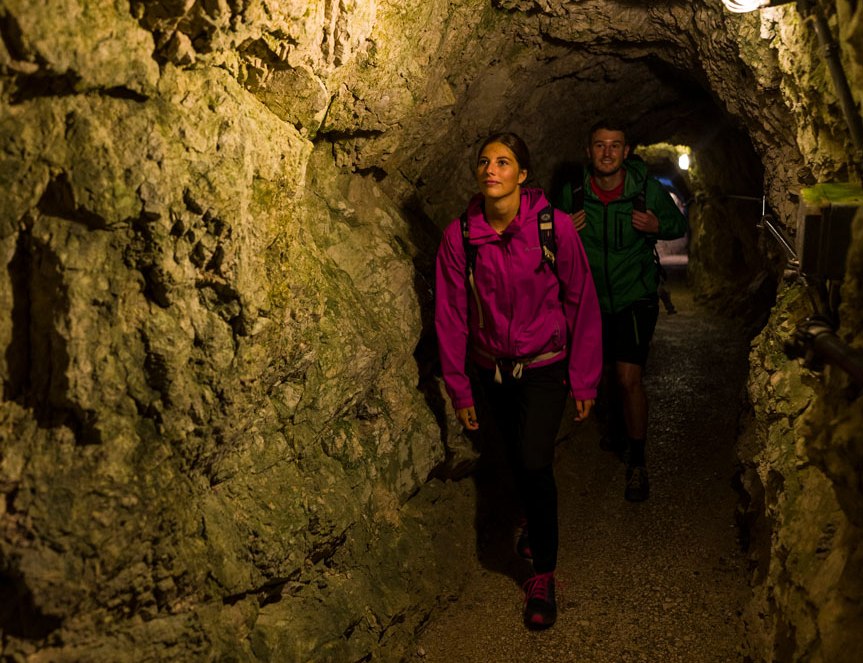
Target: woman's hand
point(467, 417)
point(583, 408)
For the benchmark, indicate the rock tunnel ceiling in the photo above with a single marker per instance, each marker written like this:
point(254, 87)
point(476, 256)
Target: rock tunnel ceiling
point(548, 81)
point(216, 219)
point(401, 90)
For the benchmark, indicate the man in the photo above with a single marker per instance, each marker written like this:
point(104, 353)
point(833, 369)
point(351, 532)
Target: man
point(624, 212)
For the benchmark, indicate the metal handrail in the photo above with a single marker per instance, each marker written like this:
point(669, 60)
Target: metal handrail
point(782, 238)
point(815, 338)
point(816, 342)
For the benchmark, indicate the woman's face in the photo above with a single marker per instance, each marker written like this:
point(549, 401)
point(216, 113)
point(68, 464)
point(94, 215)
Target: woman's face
point(498, 173)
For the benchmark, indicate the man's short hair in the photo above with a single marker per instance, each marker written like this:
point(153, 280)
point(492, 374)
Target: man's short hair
point(609, 124)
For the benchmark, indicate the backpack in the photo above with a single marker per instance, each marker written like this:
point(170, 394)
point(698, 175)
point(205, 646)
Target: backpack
point(545, 226)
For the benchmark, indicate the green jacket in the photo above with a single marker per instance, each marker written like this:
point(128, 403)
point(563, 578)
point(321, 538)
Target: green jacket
point(621, 257)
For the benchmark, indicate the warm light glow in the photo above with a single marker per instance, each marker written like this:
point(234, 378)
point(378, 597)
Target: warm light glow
point(742, 6)
point(683, 161)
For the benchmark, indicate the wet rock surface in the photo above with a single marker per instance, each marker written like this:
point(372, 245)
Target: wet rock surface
point(664, 580)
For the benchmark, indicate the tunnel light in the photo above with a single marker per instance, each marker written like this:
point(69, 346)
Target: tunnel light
point(683, 161)
point(743, 6)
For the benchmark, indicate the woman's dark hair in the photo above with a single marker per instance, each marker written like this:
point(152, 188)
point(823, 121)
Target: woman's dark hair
point(514, 143)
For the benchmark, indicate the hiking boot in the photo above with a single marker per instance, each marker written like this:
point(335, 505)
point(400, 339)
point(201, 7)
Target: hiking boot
point(522, 543)
point(637, 484)
point(540, 609)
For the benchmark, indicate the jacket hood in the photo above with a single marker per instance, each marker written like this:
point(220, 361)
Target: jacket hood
point(533, 200)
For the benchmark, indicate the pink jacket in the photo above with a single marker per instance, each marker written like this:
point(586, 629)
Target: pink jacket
point(527, 310)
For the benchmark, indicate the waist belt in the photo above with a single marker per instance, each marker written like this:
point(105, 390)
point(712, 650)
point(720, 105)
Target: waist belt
point(518, 364)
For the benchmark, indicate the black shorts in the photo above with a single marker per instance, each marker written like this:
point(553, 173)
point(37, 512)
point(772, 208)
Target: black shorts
point(626, 335)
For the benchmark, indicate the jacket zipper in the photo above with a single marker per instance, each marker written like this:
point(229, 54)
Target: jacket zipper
point(509, 293)
point(605, 256)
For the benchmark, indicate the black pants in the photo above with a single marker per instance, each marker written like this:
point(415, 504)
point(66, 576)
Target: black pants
point(527, 414)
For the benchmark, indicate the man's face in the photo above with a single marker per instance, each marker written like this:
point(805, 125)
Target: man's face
point(607, 151)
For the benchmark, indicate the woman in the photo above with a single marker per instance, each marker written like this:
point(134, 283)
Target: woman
point(531, 328)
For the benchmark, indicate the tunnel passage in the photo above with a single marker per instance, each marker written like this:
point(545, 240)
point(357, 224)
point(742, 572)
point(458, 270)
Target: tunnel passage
point(550, 92)
point(665, 107)
point(216, 229)
point(552, 107)
point(731, 266)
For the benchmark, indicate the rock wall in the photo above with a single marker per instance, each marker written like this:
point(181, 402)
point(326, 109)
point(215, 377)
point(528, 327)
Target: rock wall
point(802, 447)
point(219, 413)
point(211, 418)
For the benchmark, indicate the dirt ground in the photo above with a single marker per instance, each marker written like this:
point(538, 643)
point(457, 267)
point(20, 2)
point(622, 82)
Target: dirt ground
point(660, 581)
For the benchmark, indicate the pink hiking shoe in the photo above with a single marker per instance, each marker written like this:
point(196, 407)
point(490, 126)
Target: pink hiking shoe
point(540, 608)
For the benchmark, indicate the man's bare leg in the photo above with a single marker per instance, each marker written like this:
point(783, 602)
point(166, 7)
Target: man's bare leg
point(634, 399)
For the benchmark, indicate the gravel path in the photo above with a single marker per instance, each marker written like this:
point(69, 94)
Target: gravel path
point(660, 581)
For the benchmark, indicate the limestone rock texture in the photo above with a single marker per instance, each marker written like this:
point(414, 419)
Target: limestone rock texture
point(221, 434)
point(802, 446)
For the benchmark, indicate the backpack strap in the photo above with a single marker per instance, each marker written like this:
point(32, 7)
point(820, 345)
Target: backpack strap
point(571, 196)
point(640, 204)
point(578, 198)
point(470, 251)
point(545, 223)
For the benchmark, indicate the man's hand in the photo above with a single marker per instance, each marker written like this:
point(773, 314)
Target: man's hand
point(467, 417)
point(583, 408)
point(646, 222)
point(579, 219)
